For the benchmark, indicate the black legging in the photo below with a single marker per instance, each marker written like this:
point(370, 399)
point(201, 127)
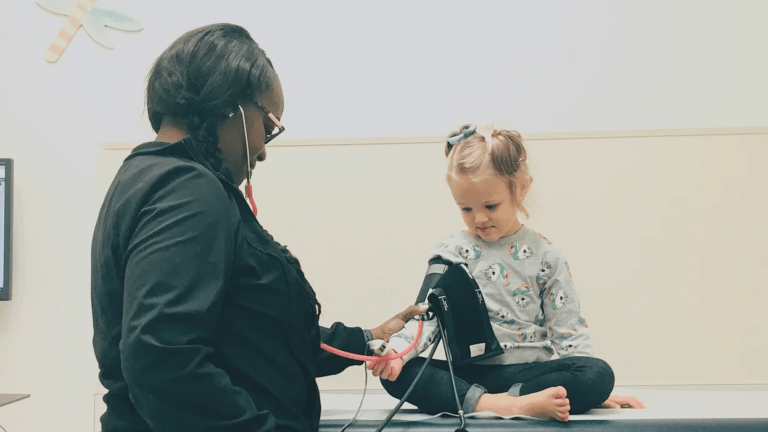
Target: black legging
point(588, 381)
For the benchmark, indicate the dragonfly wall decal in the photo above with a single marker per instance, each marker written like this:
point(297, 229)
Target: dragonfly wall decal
point(92, 17)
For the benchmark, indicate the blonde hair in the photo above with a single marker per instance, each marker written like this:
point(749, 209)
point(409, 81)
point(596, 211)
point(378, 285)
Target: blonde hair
point(505, 155)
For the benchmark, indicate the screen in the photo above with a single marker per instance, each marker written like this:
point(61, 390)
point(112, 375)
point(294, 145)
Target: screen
point(6, 190)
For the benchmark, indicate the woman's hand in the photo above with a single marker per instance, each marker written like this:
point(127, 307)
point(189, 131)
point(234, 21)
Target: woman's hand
point(622, 402)
point(396, 323)
point(388, 370)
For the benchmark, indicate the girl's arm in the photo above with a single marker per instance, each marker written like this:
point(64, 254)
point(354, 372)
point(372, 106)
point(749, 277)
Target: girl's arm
point(403, 339)
point(566, 328)
point(443, 255)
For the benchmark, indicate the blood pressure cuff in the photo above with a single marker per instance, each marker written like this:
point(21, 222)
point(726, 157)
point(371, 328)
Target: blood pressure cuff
point(455, 297)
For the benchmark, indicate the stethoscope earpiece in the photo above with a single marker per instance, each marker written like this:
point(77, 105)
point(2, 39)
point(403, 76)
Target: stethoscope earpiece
point(248, 187)
point(247, 147)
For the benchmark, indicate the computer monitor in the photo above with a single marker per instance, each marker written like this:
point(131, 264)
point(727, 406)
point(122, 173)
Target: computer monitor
point(6, 212)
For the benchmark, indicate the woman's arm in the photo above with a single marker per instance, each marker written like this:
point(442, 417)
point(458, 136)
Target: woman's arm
point(352, 339)
point(177, 267)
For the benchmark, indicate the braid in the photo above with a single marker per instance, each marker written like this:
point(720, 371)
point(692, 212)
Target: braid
point(201, 77)
point(204, 137)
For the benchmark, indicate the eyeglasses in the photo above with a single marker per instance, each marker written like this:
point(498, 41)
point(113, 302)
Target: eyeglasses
point(271, 133)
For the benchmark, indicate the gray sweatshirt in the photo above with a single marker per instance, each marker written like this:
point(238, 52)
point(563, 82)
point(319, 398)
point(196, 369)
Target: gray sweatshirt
point(529, 293)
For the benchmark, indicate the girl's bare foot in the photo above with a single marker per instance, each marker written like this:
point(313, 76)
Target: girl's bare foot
point(550, 403)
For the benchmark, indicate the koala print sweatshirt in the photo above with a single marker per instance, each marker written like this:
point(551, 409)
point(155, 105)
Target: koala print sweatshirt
point(529, 293)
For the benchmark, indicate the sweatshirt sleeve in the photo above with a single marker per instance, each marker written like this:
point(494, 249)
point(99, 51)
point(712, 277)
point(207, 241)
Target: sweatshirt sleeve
point(401, 340)
point(349, 339)
point(566, 328)
point(449, 251)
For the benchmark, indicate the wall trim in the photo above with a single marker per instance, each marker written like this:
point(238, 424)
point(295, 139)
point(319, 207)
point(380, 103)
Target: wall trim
point(547, 136)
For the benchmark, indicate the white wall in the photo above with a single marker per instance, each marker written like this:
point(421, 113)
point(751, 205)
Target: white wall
point(656, 244)
point(348, 70)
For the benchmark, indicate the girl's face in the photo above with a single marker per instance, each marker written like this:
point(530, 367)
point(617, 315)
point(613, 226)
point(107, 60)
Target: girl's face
point(487, 206)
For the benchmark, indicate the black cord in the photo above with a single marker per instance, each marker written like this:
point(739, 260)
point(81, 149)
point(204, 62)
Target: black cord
point(410, 389)
point(3, 429)
point(453, 379)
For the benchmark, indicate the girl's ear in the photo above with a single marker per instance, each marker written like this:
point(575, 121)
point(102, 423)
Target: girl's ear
point(520, 188)
point(525, 187)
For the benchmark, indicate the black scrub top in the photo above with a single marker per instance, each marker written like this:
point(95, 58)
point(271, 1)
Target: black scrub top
point(202, 321)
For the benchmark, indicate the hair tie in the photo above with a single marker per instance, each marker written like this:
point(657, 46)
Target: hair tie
point(452, 141)
point(487, 134)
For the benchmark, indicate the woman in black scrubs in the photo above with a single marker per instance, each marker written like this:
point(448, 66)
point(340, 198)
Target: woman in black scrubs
point(202, 321)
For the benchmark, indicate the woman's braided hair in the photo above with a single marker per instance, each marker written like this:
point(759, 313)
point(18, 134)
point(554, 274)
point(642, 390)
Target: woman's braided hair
point(199, 80)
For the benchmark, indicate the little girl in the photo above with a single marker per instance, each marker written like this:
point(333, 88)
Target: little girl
point(529, 294)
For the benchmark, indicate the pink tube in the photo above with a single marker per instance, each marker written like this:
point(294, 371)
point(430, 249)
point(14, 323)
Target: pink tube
point(359, 357)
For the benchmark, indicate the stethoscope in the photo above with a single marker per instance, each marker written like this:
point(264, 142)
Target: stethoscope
point(248, 187)
point(249, 196)
point(381, 345)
